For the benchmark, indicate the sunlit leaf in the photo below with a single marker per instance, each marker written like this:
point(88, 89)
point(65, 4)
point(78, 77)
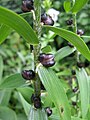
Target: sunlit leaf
point(79, 4)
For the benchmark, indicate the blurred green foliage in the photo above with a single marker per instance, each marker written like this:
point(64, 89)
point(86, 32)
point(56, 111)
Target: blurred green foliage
point(16, 53)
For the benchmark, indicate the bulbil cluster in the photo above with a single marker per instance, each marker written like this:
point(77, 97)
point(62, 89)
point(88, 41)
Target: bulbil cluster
point(27, 5)
point(36, 100)
point(28, 74)
point(47, 60)
point(47, 19)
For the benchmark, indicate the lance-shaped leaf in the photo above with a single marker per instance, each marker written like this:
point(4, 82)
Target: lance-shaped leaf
point(7, 114)
point(63, 52)
point(37, 114)
point(13, 81)
point(56, 91)
point(79, 4)
point(1, 67)
point(4, 32)
point(83, 81)
point(16, 22)
point(72, 38)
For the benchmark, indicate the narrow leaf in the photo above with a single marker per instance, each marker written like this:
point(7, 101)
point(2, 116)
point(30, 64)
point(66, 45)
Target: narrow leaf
point(67, 5)
point(83, 81)
point(26, 92)
point(37, 114)
point(74, 39)
point(7, 114)
point(5, 97)
point(79, 4)
point(56, 91)
point(25, 104)
point(1, 68)
point(13, 81)
point(63, 52)
point(4, 32)
point(16, 22)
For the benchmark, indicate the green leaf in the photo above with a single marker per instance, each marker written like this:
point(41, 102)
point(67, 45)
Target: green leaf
point(13, 81)
point(76, 118)
point(4, 32)
point(79, 4)
point(25, 14)
point(63, 52)
point(26, 92)
point(83, 81)
point(56, 117)
point(25, 104)
point(7, 114)
point(47, 49)
point(16, 22)
point(72, 38)
point(5, 97)
point(37, 114)
point(56, 91)
point(67, 5)
point(1, 68)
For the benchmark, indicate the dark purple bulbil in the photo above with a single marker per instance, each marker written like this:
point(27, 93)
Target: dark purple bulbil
point(28, 74)
point(27, 5)
point(47, 60)
point(47, 19)
point(69, 22)
point(36, 100)
point(48, 111)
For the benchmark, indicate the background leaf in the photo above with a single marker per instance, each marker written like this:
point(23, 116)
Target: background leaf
point(1, 67)
point(67, 5)
point(63, 52)
point(83, 81)
point(74, 39)
point(25, 104)
point(7, 114)
point(56, 91)
point(5, 97)
point(16, 22)
point(79, 4)
point(13, 81)
point(26, 92)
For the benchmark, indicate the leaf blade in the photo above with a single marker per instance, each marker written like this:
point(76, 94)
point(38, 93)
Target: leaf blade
point(79, 4)
point(47, 77)
point(63, 52)
point(16, 22)
point(83, 81)
point(4, 32)
point(73, 38)
point(13, 81)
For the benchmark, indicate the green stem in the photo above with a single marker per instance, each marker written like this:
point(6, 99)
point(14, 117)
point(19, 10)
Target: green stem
point(77, 53)
point(36, 51)
point(75, 31)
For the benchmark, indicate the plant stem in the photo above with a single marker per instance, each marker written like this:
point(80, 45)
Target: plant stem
point(75, 31)
point(36, 51)
point(77, 54)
